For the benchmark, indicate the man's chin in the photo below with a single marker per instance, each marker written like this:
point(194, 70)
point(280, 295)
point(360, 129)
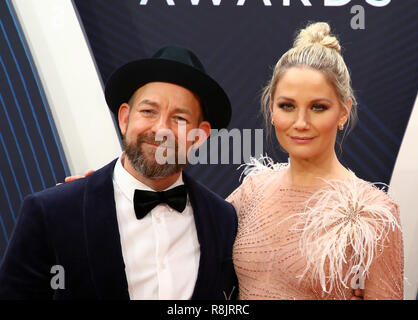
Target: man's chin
point(160, 171)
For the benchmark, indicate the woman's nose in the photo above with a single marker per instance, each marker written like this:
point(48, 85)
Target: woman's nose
point(302, 121)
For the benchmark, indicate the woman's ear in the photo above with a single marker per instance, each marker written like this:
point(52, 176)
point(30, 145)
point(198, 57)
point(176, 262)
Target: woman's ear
point(123, 117)
point(271, 112)
point(346, 111)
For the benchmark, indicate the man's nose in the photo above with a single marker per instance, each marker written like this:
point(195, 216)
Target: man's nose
point(160, 124)
point(161, 129)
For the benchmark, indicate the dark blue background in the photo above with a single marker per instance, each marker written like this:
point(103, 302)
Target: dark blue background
point(238, 46)
point(31, 158)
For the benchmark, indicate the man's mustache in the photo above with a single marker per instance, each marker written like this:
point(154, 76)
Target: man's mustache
point(151, 139)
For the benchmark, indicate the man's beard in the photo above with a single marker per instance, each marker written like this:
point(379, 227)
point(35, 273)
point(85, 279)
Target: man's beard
point(149, 168)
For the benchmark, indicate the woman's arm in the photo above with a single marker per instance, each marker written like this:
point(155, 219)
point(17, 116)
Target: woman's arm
point(386, 274)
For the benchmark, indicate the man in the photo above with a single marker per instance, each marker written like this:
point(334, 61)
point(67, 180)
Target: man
point(135, 228)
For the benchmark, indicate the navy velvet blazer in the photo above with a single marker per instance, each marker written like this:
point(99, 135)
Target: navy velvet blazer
point(74, 225)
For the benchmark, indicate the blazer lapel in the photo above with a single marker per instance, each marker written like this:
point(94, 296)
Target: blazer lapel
point(102, 236)
point(209, 246)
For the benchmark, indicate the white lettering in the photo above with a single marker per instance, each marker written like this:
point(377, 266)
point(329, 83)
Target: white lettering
point(335, 3)
point(182, 147)
point(58, 281)
point(357, 282)
point(306, 3)
point(176, 310)
point(215, 2)
point(286, 3)
point(145, 2)
point(224, 136)
point(242, 2)
point(247, 143)
point(198, 136)
point(168, 147)
point(245, 309)
point(359, 20)
point(378, 3)
point(172, 152)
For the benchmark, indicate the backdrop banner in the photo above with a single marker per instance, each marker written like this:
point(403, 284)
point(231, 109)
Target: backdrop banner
point(240, 41)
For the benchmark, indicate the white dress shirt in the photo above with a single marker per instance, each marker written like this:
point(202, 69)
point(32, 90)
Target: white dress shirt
point(161, 251)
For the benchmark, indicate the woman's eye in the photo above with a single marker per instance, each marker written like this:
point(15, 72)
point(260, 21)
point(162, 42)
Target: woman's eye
point(319, 107)
point(286, 106)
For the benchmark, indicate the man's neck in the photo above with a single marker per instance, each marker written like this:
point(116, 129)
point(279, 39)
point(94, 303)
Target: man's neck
point(154, 184)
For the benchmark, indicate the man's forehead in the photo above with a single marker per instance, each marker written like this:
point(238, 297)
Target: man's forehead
point(158, 92)
point(162, 87)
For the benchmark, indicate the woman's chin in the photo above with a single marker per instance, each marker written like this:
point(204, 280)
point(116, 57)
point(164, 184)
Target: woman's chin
point(302, 155)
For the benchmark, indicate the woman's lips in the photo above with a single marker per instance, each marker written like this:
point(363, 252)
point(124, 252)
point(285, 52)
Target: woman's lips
point(302, 140)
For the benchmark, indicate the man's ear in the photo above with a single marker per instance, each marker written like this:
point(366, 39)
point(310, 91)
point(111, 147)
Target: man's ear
point(204, 133)
point(123, 117)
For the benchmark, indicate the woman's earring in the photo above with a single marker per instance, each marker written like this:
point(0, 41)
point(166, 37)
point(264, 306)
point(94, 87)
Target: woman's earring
point(341, 127)
point(272, 122)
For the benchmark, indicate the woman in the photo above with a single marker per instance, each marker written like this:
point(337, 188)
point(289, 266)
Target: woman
point(311, 229)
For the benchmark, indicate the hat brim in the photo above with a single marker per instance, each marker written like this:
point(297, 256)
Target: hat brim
point(126, 80)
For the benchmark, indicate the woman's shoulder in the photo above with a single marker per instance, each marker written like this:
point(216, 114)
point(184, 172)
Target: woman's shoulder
point(355, 195)
point(262, 171)
point(257, 176)
point(371, 192)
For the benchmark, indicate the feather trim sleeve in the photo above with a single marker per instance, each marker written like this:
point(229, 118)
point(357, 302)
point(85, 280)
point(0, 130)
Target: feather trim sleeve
point(254, 172)
point(264, 164)
point(386, 275)
point(344, 229)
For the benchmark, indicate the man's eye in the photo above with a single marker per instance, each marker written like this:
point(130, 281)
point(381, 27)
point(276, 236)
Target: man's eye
point(286, 106)
point(319, 107)
point(180, 119)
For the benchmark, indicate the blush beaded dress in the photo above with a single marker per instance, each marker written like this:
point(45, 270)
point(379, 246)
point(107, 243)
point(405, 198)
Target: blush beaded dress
point(315, 243)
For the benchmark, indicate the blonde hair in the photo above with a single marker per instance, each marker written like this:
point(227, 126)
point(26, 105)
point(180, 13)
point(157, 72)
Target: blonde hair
point(315, 48)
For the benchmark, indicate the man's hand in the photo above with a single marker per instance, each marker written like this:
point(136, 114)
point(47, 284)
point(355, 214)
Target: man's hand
point(73, 178)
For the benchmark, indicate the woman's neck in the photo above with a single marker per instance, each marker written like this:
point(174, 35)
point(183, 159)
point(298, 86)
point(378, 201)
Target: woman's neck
point(308, 172)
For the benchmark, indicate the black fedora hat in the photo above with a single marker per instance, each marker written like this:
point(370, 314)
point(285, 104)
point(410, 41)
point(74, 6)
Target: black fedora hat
point(173, 64)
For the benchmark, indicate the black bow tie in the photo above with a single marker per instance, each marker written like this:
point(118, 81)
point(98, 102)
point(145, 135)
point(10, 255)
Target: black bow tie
point(145, 201)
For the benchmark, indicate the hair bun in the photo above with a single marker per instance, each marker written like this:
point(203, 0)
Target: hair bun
point(318, 32)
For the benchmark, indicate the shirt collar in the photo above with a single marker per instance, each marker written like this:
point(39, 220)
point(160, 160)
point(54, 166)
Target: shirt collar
point(128, 184)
